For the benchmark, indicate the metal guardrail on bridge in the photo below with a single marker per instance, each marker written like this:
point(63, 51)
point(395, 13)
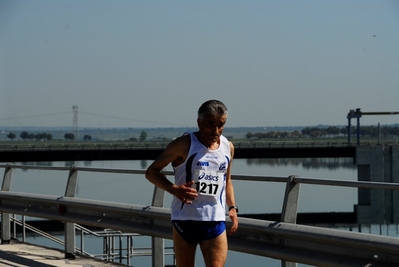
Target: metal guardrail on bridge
point(283, 240)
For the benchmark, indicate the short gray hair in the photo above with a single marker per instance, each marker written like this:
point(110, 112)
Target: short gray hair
point(213, 108)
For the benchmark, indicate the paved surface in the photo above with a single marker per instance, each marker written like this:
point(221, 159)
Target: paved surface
point(26, 255)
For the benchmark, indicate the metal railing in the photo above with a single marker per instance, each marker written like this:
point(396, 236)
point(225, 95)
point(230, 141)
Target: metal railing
point(284, 240)
point(113, 249)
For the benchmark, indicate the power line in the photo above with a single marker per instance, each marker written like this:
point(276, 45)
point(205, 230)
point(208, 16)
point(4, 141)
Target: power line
point(92, 114)
point(130, 119)
point(33, 116)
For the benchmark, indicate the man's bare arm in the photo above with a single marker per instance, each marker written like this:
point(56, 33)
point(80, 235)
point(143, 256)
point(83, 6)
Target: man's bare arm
point(176, 151)
point(230, 197)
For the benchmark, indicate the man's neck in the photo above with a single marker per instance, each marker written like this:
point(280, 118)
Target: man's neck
point(210, 146)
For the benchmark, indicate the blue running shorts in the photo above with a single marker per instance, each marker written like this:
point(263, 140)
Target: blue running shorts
point(197, 231)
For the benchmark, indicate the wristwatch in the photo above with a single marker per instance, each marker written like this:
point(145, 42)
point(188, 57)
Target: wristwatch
point(233, 207)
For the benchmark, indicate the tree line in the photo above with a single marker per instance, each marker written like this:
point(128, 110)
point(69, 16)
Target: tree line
point(68, 136)
point(331, 131)
point(43, 136)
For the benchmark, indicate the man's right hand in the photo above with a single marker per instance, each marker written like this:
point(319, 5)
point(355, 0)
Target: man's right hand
point(185, 192)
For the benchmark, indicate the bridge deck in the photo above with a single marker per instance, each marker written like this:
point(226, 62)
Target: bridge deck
point(23, 254)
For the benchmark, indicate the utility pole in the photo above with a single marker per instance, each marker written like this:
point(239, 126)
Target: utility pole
point(75, 121)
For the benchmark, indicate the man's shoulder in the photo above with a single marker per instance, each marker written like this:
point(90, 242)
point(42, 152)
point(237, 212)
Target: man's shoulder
point(185, 138)
point(231, 146)
point(227, 141)
point(180, 142)
point(179, 148)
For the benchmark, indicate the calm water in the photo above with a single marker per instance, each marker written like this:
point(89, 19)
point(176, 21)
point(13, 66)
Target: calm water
point(252, 197)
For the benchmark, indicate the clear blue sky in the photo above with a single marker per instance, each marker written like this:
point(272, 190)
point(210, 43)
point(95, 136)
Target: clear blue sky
point(143, 63)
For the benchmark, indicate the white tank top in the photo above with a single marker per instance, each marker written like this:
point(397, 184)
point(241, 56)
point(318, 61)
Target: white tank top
point(208, 169)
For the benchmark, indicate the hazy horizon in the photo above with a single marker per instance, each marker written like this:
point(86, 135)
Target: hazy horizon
point(181, 127)
point(153, 63)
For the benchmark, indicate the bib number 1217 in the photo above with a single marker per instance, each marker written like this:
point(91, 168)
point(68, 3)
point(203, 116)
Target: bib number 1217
point(208, 183)
point(204, 188)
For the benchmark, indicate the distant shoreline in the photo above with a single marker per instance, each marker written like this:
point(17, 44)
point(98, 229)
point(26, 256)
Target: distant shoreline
point(155, 134)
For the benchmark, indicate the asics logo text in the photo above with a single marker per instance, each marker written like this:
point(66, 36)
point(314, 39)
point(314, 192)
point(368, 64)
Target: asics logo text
point(209, 177)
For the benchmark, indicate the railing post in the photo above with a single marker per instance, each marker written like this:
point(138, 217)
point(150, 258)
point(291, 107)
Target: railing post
point(290, 208)
point(129, 249)
point(5, 217)
point(6, 185)
point(158, 247)
point(23, 229)
point(291, 197)
point(69, 229)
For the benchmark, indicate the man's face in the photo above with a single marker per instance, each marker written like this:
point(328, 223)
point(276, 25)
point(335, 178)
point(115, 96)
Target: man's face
point(211, 128)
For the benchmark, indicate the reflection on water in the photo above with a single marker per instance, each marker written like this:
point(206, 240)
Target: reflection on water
point(307, 163)
point(37, 163)
point(143, 163)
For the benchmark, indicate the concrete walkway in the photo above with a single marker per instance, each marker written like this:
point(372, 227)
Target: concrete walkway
point(27, 255)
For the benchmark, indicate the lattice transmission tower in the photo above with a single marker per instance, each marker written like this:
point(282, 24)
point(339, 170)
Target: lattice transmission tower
point(75, 121)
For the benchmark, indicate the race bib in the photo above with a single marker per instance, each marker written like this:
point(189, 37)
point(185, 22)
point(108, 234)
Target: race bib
point(208, 183)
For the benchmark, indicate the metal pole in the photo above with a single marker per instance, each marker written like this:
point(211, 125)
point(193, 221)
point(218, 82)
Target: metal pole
point(129, 249)
point(158, 246)
point(69, 228)
point(23, 229)
point(81, 241)
point(290, 208)
point(120, 249)
point(5, 217)
point(358, 130)
point(14, 226)
point(349, 129)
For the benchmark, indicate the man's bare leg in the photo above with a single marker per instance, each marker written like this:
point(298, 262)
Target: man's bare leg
point(184, 251)
point(215, 251)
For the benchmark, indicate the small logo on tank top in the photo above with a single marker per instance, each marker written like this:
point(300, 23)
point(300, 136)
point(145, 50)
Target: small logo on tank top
point(208, 177)
point(222, 166)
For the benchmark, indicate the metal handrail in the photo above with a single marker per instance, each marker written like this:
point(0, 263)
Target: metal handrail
point(37, 231)
point(107, 233)
point(251, 178)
